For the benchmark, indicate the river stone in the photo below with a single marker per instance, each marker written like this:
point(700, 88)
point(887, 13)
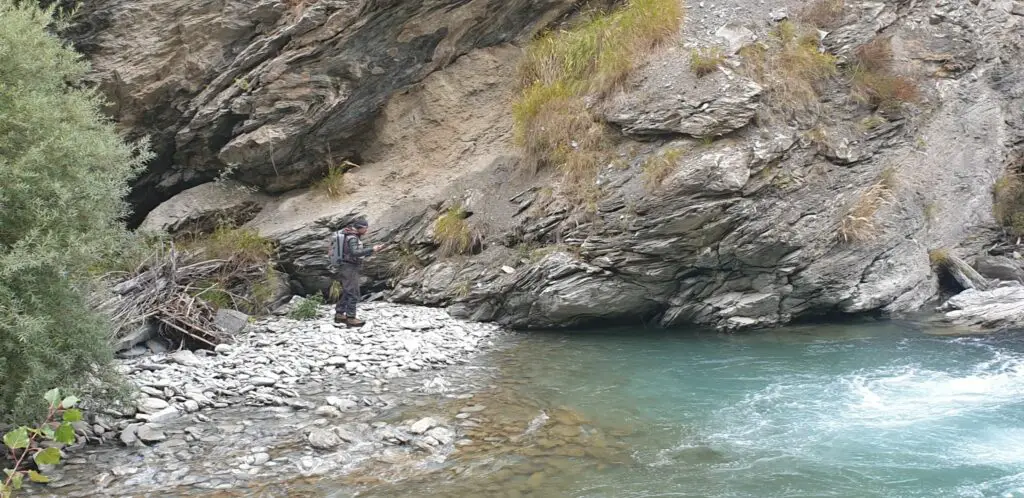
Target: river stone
point(165, 415)
point(422, 425)
point(232, 322)
point(151, 405)
point(262, 381)
point(259, 459)
point(128, 435)
point(443, 435)
point(150, 434)
point(343, 404)
point(186, 358)
point(327, 411)
point(191, 405)
point(323, 439)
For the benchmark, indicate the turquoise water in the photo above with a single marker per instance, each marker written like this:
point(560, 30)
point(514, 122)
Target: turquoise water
point(860, 410)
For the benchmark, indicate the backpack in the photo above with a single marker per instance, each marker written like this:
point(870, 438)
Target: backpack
point(338, 243)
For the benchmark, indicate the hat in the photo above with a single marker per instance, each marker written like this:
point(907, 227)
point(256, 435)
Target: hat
point(360, 222)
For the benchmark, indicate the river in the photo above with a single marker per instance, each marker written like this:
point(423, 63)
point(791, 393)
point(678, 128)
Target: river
point(852, 410)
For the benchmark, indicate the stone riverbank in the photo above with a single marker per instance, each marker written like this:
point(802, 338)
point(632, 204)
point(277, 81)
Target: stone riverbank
point(306, 396)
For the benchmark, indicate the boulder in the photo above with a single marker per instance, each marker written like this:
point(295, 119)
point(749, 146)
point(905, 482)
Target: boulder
point(999, 268)
point(232, 322)
point(203, 208)
point(669, 99)
point(993, 309)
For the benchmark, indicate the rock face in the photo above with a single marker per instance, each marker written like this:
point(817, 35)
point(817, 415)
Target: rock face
point(749, 230)
point(274, 91)
point(755, 221)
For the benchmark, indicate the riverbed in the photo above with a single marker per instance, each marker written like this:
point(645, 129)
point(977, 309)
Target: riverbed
point(854, 410)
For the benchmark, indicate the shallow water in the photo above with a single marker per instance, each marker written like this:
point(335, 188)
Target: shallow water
point(858, 410)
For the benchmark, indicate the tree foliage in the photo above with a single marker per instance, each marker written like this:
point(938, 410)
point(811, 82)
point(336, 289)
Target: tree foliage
point(64, 173)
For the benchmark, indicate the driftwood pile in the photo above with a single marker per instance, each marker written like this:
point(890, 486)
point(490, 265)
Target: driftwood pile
point(166, 290)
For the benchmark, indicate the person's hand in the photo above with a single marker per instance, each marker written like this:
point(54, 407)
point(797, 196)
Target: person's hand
point(378, 248)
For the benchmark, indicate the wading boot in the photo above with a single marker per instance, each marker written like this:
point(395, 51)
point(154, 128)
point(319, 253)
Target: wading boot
point(340, 319)
point(354, 322)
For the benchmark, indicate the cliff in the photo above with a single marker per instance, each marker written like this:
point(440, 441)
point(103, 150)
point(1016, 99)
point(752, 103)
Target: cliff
point(749, 181)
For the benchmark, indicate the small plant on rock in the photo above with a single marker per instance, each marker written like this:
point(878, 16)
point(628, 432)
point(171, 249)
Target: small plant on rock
point(791, 67)
point(858, 225)
point(1008, 204)
point(332, 185)
point(705, 61)
point(657, 168)
point(24, 442)
point(308, 308)
point(875, 82)
point(823, 14)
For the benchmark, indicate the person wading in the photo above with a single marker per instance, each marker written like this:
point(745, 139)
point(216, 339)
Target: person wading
point(347, 254)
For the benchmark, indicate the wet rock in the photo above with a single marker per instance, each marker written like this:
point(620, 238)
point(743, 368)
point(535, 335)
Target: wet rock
point(999, 308)
point(443, 435)
point(324, 439)
point(128, 435)
point(343, 404)
point(259, 459)
point(422, 425)
point(149, 433)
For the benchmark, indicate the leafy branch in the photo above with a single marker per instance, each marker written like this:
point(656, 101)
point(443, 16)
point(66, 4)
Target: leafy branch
point(22, 442)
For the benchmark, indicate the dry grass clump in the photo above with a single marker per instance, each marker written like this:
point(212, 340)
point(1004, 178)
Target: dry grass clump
point(705, 61)
point(858, 225)
point(938, 257)
point(1008, 203)
point(332, 184)
point(452, 232)
point(791, 67)
point(824, 14)
point(875, 81)
point(657, 168)
point(551, 120)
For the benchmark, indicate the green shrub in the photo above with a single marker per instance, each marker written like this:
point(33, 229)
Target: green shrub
point(307, 309)
point(24, 441)
point(65, 174)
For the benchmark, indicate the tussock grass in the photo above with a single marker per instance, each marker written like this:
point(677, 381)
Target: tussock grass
point(561, 67)
point(705, 61)
point(657, 168)
point(1008, 203)
point(791, 67)
point(332, 185)
point(859, 225)
point(939, 258)
point(874, 80)
point(824, 14)
point(452, 232)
